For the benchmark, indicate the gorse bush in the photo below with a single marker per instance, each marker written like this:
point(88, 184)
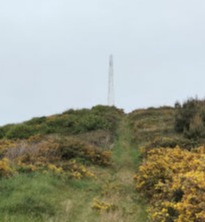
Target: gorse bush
point(37, 152)
point(4, 130)
point(40, 153)
point(20, 131)
point(70, 122)
point(83, 135)
point(5, 168)
point(170, 142)
point(173, 180)
point(78, 171)
point(102, 206)
point(190, 118)
point(73, 148)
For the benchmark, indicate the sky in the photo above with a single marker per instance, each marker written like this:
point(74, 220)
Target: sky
point(54, 54)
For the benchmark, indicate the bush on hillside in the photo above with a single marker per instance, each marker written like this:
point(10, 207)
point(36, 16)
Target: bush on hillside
point(171, 142)
point(4, 130)
point(190, 118)
point(20, 131)
point(73, 148)
point(99, 138)
point(2, 133)
point(36, 120)
point(37, 153)
point(6, 168)
point(87, 123)
point(41, 151)
point(173, 181)
point(69, 123)
point(98, 118)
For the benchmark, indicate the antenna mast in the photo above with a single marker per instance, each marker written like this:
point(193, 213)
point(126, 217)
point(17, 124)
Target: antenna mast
point(111, 83)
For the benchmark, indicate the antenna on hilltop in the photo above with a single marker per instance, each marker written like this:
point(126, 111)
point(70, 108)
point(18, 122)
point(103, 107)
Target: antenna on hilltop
point(111, 83)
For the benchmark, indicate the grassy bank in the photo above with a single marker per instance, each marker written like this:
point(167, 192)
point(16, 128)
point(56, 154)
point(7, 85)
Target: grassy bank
point(108, 196)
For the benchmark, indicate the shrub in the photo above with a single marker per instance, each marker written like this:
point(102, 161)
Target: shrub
point(111, 115)
point(78, 170)
point(190, 118)
point(20, 131)
point(4, 130)
point(88, 123)
point(99, 138)
point(69, 123)
point(36, 120)
point(173, 181)
point(5, 145)
point(170, 142)
point(41, 153)
point(37, 153)
point(102, 206)
point(73, 148)
point(5, 168)
point(2, 133)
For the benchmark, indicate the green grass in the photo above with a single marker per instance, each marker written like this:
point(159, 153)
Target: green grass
point(149, 124)
point(28, 197)
point(39, 197)
point(126, 158)
point(45, 197)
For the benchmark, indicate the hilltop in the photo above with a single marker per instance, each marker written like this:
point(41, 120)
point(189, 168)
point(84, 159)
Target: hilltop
point(93, 165)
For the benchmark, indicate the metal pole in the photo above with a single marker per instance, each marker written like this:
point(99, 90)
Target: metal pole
point(111, 83)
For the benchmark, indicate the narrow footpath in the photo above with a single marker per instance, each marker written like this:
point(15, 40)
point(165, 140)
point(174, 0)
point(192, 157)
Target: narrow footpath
point(113, 189)
point(122, 192)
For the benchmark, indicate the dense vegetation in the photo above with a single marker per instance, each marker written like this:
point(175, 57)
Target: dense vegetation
point(190, 118)
point(79, 166)
point(70, 122)
point(173, 181)
point(172, 174)
point(62, 148)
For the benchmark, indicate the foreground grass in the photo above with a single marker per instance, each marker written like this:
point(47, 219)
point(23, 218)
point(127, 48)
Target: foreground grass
point(46, 197)
point(28, 197)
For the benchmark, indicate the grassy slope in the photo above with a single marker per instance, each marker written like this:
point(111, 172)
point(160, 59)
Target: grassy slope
point(113, 185)
point(126, 159)
point(38, 197)
point(148, 124)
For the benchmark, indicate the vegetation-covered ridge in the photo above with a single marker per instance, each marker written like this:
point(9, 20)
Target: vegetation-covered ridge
point(70, 122)
point(172, 173)
point(101, 164)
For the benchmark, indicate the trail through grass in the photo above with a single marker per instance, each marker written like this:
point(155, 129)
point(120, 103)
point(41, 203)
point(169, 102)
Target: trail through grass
point(110, 197)
point(126, 159)
point(113, 187)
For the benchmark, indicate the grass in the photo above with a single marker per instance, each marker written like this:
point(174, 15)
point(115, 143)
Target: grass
point(39, 197)
point(126, 158)
point(28, 197)
point(108, 197)
point(45, 197)
point(152, 123)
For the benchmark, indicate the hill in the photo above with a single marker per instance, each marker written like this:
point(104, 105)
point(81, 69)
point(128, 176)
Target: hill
point(100, 164)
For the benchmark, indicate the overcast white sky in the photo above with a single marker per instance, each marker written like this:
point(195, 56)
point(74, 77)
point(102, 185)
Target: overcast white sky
point(54, 54)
